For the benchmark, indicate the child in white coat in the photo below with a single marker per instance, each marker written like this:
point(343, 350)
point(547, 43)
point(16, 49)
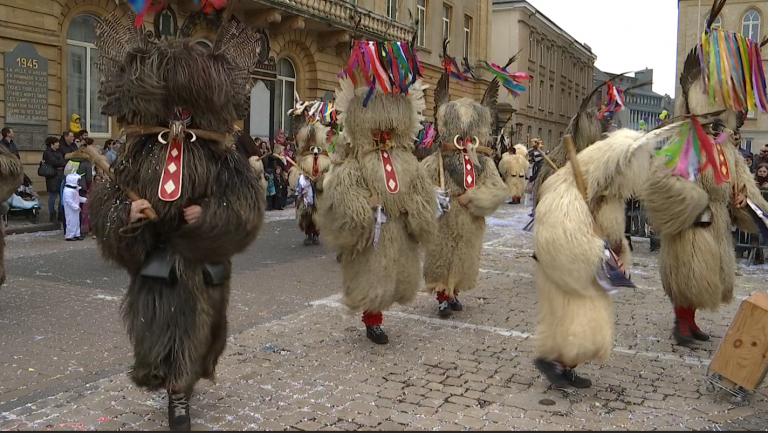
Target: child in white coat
point(72, 200)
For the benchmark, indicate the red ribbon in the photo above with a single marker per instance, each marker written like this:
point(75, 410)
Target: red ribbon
point(381, 136)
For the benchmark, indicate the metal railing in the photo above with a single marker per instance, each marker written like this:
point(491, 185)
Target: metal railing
point(751, 243)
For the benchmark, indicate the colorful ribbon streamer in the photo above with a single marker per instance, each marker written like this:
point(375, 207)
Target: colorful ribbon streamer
point(511, 81)
point(142, 7)
point(426, 136)
point(685, 150)
point(390, 66)
point(733, 70)
point(614, 100)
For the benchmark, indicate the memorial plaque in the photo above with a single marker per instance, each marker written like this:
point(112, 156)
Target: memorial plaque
point(26, 96)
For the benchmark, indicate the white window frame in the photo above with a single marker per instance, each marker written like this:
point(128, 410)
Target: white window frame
point(205, 41)
point(281, 80)
point(467, 36)
point(421, 12)
point(752, 23)
point(447, 20)
point(392, 9)
point(718, 24)
point(88, 47)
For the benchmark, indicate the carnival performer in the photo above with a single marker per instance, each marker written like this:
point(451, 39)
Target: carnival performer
point(376, 207)
point(312, 161)
point(570, 240)
point(470, 188)
point(513, 168)
point(694, 219)
point(11, 177)
point(201, 207)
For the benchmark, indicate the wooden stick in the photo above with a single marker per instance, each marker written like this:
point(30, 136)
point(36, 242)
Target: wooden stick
point(102, 163)
point(442, 175)
point(544, 155)
point(575, 166)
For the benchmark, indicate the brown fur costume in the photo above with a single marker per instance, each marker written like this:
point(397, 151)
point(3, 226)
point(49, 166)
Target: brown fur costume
point(177, 324)
point(696, 260)
point(11, 176)
point(513, 168)
point(377, 277)
point(451, 265)
point(310, 138)
point(575, 315)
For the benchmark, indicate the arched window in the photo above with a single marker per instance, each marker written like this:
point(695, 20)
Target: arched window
point(284, 91)
point(750, 25)
point(165, 23)
point(83, 76)
point(718, 24)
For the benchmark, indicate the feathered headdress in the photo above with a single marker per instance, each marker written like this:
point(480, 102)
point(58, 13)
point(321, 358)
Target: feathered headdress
point(143, 80)
point(392, 67)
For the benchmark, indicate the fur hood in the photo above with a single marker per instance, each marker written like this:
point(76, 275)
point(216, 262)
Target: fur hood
point(401, 114)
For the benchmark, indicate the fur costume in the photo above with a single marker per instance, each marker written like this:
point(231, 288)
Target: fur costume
point(313, 161)
point(694, 219)
point(175, 306)
point(451, 265)
point(513, 168)
point(11, 177)
point(575, 314)
point(379, 269)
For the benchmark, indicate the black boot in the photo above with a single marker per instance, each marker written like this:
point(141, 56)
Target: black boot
point(52, 217)
point(444, 309)
point(308, 240)
point(316, 239)
point(178, 412)
point(376, 334)
point(696, 332)
point(455, 304)
point(575, 380)
point(552, 371)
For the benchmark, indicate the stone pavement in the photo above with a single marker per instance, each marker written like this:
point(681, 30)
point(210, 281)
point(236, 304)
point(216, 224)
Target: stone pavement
point(315, 370)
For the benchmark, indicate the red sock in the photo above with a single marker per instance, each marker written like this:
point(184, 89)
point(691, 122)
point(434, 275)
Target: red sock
point(443, 296)
point(694, 326)
point(371, 319)
point(684, 319)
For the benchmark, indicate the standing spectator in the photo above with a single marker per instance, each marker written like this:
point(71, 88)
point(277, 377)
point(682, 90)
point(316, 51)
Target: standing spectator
point(72, 202)
point(281, 188)
point(74, 123)
point(109, 153)
point(52, 157)
point(750, 160)
point(761, 176)
point(67, 143)
point(82, 135)
point(7, 141)
point(269, 174)
point(763, 157)
point(78, 162)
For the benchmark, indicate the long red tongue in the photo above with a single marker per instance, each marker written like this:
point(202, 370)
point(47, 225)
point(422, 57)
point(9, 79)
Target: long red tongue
point(315, 169)
point(170, 182)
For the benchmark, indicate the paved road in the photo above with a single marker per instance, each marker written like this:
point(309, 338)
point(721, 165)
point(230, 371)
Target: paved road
point(297, 360)
point(59, 319)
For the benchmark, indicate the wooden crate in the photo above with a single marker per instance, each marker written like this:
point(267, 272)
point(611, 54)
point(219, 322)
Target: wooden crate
point(742, 356)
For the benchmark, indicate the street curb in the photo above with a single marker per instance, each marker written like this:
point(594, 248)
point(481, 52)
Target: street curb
point(47, 227)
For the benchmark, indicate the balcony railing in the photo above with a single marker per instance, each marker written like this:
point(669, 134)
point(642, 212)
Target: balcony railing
point(346, 15)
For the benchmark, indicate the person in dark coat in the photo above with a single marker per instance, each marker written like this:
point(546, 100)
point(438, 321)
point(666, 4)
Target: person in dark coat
point(67, 143)
point(55, 159)
point(7, 141)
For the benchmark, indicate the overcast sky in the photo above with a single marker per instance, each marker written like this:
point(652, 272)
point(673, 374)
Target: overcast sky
point(626, 35)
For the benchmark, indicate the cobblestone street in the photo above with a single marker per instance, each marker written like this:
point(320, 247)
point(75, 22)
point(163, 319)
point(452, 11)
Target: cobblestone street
point(301, 361)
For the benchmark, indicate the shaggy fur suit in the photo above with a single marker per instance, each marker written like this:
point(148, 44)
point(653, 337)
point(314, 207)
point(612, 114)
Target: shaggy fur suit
point(375, 277)
point(575, 313)
point(513, 167)
point(311, 166)
point(451, 265)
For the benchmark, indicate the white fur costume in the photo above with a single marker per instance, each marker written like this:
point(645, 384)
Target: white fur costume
point(72, 201)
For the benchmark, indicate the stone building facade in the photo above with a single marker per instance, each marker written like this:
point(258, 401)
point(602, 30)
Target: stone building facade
point(560, 69)
point(308, 46)
point(743, 16)
point(640, 103)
